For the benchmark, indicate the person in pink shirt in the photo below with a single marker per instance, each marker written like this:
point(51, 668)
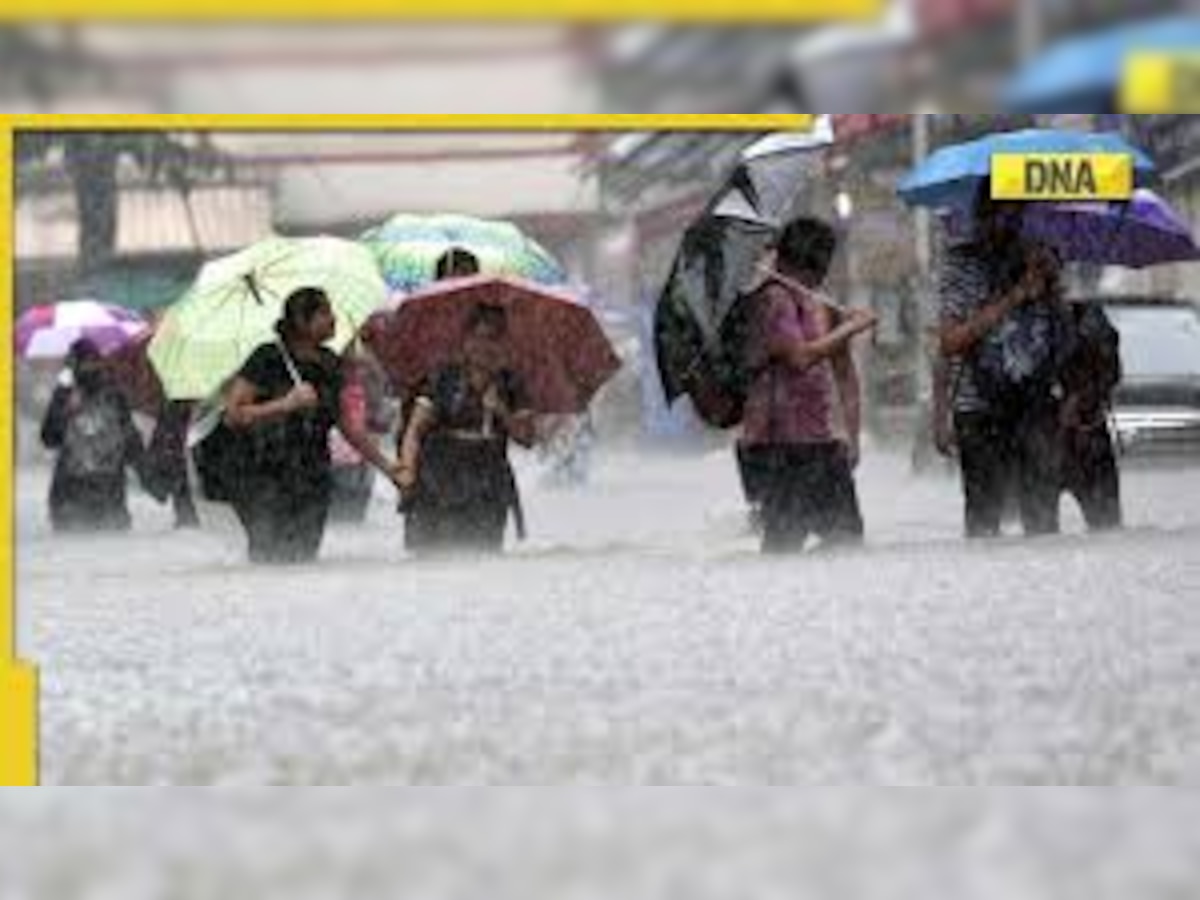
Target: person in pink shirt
point(799, 354)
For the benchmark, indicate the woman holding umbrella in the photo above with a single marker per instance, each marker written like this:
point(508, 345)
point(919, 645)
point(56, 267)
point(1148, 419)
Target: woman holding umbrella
point(285, 401)
point(482, 357)
point(454, 471)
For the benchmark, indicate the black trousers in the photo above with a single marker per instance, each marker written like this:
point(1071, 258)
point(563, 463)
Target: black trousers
point(1018, 448)
point(475, 527)
point(804, 490)
point(96, 503)
point(1092, 477)
point(284, 523)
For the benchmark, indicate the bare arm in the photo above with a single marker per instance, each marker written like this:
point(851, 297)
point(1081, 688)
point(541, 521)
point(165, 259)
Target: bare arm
point(521, 426)
point(803, 354)
point(358, 438)
point(241, 410)
point(959, 337)
point(845, 373)
point(420, 422)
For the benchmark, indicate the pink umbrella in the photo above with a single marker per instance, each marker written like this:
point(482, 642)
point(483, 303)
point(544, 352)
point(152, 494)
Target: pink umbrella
point(47, 332)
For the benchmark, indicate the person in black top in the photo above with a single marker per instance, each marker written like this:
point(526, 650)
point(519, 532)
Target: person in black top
point(90, 424)
point(457, 483)
point(284, 401)
point(1005, 335)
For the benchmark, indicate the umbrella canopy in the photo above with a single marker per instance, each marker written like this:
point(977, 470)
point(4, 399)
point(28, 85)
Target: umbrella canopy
point(717, 262)
point(1144, 232)
point(556, 346)
point(408, 248)
point(717, 265)
point(235, 302)
point(720, 251)
point(953, 176)
point(771, 168)
point(47, 332)
point(1084, 75)
point(719, 257)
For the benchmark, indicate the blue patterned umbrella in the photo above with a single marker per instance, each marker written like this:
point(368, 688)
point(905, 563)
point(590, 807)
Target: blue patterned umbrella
point(408, 247)
point(1144, 232)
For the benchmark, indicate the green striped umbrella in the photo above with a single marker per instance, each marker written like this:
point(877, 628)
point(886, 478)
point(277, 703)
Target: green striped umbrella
point(235, 302)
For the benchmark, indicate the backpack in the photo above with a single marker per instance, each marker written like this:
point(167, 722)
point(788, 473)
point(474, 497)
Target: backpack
point(96, 440)
point(719, 377)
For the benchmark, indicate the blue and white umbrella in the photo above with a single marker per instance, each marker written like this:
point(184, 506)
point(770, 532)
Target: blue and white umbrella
point(952, 177)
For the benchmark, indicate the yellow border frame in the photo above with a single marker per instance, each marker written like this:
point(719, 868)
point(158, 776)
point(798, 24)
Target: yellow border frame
point(441, 123)
point(18, 681)
point(710, 11)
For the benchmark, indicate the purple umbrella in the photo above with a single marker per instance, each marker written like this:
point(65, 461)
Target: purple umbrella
point(1146, 231)
point(1143, 232)
point(47, 332)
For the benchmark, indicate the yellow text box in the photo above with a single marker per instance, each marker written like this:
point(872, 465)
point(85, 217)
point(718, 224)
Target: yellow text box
point(1161, 83)
point(1062, 176)
point(729, 11)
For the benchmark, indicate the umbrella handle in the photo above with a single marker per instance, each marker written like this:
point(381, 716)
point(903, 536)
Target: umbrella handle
point(824, 299)
point(297, 380)
point(252, 285)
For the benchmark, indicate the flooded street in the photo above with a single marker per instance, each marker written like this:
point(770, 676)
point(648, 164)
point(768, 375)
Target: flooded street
point(637, 639)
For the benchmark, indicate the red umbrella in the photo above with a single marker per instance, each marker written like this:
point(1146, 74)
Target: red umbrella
point(131, 371)
point(556, 345)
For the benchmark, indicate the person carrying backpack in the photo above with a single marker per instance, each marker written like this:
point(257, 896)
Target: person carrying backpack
point(796, 461)
point(1005, 330)
point(1092, 373)
point(91, 427)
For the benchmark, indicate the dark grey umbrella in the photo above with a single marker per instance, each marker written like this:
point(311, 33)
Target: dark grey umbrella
point(719, 260)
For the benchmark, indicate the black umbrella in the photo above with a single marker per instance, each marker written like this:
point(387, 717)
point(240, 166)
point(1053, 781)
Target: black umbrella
point(698, 332)
point(716, 263)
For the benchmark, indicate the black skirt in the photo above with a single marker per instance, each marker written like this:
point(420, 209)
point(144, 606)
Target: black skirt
point(465, 491)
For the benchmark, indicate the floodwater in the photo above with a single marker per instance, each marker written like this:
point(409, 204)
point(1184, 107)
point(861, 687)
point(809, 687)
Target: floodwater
point(636, 639)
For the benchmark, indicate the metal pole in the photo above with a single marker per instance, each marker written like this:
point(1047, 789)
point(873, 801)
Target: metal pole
point(925, 299)
point(926, 314)
point(921, 122)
